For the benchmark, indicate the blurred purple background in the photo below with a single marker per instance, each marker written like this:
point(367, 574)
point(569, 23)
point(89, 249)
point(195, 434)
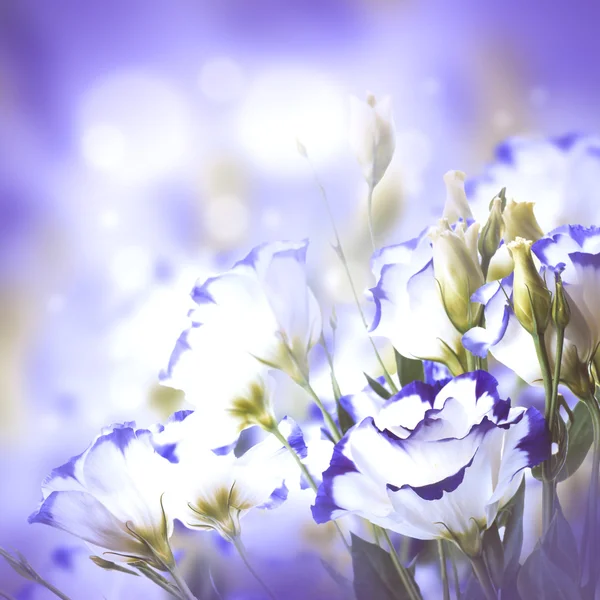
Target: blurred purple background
point(147, 143)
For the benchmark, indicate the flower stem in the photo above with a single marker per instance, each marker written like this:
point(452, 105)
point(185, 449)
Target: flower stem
point(242, 552)
point(481, 572)
point(592, 508)
point(186, 593)
point(443, 569)
point(331, 424)
point(405, 577)
point(309, 478)
point(370, 215)
point(342, 257)
point(548, 484)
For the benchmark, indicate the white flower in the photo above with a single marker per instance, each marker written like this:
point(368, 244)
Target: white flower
point(560, 175)
point(214, 490)
point(409, 308)
point(260, 314)
point(575, 252)
point(372, 135)
point(111, 496)
point(435, 464)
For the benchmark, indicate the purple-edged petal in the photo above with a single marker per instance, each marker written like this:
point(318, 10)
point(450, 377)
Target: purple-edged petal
point(82, 515)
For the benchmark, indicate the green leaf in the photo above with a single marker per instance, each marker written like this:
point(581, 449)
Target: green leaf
point(513, 534)
point(111, 566)
point(493, 554)
point(409, 369)
point(344, 419)
point(581, 436)
point(540, 577)
point(378, 388)
point(560, 545)
point(552, 570)
point(375, 577)
point(345, 584)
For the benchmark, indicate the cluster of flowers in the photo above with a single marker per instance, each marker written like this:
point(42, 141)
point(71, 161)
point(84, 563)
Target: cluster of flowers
point(430, 454)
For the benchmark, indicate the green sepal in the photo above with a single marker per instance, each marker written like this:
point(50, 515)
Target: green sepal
point(111, 566)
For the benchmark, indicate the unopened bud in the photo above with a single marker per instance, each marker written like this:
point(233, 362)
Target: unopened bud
point(520, 221)
point(492, 231)
point(457, 271)
point(457, 206)
point(531, 298)
point(561, 312)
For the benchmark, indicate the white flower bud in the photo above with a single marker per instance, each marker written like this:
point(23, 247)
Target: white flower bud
point(372, 135)
point(457, 206)
point(457, 271)
point(531, 298)
point(520, 221)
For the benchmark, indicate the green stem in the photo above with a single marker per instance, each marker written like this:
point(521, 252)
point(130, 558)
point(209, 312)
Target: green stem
point(180, 582)
point(455, 575)
point(337, 393)
point(242, 552)
point(443, 569)
point(548, 484)
point(342, 256)
point(52, 589)
point(331, 424)
point(592, 508)
point(370, 215)
point(275, 431)
point(304, 382)
point(405, 577)
point(481, 572)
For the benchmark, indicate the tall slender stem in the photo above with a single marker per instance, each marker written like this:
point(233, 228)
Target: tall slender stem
point(275, 431)
point(303, 381)
point(342, 256)
point(331, 424)
point(242, 552)
point(443, 569)
point(411, 589)
point(52, 589)
point(337, 392)
point(370, 214)
point(592, 508)
point(548, 484)
point(180, 581)
point(483, 575)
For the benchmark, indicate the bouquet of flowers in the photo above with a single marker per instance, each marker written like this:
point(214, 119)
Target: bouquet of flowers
point(428, 465)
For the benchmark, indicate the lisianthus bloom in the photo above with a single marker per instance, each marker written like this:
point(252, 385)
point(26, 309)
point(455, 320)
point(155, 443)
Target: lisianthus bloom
point(372, 135)
point(214, 490)
point(573, 251)
point(435, 463)
point(260, 314)
point(559, 174)
point(111, 496)
point(409, 306)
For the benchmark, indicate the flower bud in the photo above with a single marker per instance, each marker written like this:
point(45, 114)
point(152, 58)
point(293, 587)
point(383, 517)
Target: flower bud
point(372, 135)
point(561, 312)
point(457, 271)
point(531, 298)
point(457, 206)
point(492, 231)
point(520, 221)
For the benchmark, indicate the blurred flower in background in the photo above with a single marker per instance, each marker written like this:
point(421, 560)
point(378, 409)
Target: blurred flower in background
point(146, 147)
